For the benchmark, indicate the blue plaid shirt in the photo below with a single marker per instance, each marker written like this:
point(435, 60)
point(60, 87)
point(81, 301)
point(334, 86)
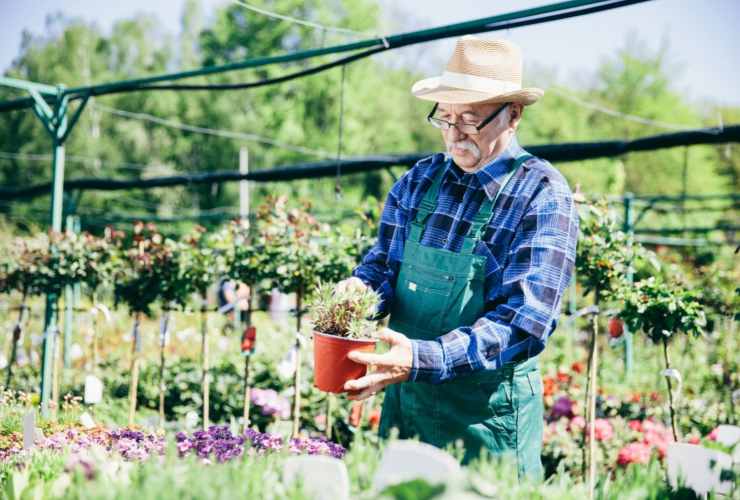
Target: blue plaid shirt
point(529, 245)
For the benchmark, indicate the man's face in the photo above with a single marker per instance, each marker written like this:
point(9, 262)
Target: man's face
point(470, 151)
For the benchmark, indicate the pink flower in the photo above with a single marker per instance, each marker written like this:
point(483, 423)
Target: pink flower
point(634, 453)
point(578, 423)
point(635, 425)
point(603, 430)
point(713, 435)
point(694, 440)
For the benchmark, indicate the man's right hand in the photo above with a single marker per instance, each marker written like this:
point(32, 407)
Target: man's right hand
point(350, 284)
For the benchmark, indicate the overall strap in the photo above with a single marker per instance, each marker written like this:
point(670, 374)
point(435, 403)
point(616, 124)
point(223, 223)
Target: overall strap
point(427, 205)
point(481, 219)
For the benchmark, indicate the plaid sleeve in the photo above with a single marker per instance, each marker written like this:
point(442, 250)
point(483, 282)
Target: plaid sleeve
point(379, 267)
point(523, 311)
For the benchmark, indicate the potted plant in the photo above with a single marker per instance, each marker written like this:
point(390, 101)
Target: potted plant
point(341, 325)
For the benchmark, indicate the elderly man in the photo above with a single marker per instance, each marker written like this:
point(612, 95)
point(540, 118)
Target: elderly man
point(474, 252)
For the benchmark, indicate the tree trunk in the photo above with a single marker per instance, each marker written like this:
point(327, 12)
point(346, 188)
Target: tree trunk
point(206, 379)
point(593, 363)
point(17, 329)
point(134, 371)
point(297, 375)
point(670, 389)
point(162, 343)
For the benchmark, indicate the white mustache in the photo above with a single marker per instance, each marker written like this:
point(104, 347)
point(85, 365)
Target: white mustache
point(468, 145)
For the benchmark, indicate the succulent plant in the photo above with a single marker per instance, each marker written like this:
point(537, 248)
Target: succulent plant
point(343, 313)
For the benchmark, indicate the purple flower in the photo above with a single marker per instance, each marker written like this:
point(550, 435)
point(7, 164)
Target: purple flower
point(563, 407)
point(270, 403)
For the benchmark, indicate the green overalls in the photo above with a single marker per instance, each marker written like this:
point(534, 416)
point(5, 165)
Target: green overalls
point(437, 291)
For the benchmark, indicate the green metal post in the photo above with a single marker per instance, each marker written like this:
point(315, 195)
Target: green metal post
point(629, 230)
point(50, 318)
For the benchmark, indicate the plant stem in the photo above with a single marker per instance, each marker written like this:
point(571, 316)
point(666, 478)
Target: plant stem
point(247, 389)
point(134, 371)
point(162, 342)
point(297, 375)
point(17, 329)
point(670, 389)
point(206, 379)
point(329, 409)
point(593, 363)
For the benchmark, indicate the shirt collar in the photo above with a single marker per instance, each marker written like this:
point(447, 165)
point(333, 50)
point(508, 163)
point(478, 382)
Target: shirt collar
point(491, 175)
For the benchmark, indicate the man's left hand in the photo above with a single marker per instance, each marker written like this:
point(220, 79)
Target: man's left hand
point(391, 367)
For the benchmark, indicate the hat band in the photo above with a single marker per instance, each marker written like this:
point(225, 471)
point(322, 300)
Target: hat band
point(478, 83)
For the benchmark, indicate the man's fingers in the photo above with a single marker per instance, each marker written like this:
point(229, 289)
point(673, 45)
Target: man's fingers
point(390, 337)
point(367, 381)
point(364, 394)
point(370, 358)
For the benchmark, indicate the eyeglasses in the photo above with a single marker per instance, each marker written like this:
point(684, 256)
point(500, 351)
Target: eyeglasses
point(465, 128)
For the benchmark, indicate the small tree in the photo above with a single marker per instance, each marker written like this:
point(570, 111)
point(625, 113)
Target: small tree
point(149, 272)
point(661, 310)
point(602, 262)
point(201, 265)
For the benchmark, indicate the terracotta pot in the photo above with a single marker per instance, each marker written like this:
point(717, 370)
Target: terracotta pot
point(331, 367)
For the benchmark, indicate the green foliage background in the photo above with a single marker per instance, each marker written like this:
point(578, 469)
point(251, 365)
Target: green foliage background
point(380, 115)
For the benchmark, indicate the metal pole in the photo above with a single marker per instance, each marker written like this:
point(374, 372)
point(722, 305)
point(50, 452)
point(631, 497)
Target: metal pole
point(50, 317)
point(630, 231)
point(244, 185)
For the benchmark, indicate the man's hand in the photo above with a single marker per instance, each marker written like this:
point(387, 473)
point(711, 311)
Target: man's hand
point(349, 284)
point(391, 367)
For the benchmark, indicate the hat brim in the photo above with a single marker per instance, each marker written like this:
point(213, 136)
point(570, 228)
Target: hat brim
point(430, 89)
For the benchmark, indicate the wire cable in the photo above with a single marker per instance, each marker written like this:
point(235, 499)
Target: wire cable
point(228, 134)
point(302, 22)
point(626, 116)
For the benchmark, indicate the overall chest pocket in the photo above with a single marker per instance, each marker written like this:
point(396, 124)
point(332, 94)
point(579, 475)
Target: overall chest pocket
point(422, 297)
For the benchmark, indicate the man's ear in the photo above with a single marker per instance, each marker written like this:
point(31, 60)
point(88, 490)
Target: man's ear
point(515, 114)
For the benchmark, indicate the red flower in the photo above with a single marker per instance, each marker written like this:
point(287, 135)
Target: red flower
point(374, 418)
point(549, 386)
point(634, 453)
point(616, 327)
point(562, 377)
point(635, 425)
point(577, 367)
point(694, 440)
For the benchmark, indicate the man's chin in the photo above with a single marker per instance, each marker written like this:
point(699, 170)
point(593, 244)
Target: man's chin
point(465, 161)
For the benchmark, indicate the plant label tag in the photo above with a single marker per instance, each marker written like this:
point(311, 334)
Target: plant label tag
point(412, 286)
point(29, 430)
point(87, 421)
point(408, 460)
point(249, 337)
point(93, 390)
point(323, 478)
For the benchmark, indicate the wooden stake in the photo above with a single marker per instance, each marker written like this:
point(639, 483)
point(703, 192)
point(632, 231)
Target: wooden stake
point(592, 373)
point(17, 329)
point(670, 390)
point(134, 371)
point(162, 342)
point(297, 375)
point(206, 379)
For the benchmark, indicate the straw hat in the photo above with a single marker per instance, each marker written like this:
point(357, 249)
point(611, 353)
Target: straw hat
point(479, 71)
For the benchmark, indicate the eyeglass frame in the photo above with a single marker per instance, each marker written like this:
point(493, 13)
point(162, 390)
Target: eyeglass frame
point(478, 128)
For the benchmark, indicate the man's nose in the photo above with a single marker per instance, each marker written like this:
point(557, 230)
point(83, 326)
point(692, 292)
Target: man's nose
point(455, 134)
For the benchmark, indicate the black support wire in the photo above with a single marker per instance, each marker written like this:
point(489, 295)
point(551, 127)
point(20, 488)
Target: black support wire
point(327, 168)
point(526, 17)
